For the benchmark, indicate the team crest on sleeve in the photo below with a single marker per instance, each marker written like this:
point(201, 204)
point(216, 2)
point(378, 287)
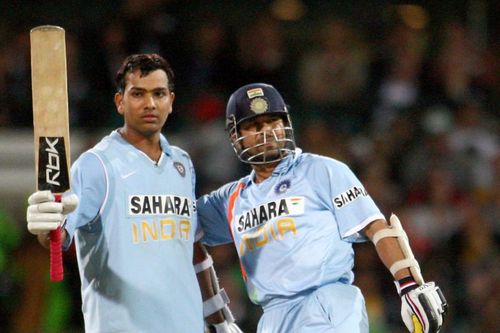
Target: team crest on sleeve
point(345, 198)
point(180, 168)
point(282, 186)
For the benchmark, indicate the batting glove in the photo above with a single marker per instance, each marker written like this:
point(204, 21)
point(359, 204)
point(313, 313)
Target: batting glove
point(44, 214)
point(423, 307)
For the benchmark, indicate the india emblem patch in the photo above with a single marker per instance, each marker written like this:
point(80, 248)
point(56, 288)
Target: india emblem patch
point(282, 186)
point(259, 105)
point(180, 168)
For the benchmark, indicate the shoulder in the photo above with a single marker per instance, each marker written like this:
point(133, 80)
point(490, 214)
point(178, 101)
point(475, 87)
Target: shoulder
point(179, 152)
point(318, 163)
point(89, 159)
point(223, 193)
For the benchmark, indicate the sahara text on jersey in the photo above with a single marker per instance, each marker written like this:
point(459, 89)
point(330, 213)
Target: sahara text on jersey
point(259, 215)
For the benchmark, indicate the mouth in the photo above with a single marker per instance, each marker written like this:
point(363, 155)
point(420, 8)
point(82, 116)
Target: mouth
point(150, 118)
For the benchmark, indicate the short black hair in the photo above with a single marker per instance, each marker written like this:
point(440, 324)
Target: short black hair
point(146, 63)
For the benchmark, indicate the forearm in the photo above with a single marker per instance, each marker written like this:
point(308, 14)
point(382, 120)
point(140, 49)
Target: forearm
point(206, 284)
point(388, 249)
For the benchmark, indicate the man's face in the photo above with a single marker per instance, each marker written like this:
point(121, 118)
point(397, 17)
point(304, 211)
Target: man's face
point(146, 102)
point(261, 135)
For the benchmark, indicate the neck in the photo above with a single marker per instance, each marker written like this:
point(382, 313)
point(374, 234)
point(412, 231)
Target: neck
point(264, 171)
point(149, 145)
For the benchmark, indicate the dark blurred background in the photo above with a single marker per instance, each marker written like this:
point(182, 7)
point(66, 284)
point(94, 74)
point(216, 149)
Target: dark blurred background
point(406, 94)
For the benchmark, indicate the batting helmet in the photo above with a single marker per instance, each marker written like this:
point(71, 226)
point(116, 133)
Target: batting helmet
point(255, 100)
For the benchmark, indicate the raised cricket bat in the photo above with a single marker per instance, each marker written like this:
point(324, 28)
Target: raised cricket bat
point(50, 123)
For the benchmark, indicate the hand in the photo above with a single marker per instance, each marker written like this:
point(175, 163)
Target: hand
point(423, 309)
point(44, 214)
point(224, 327)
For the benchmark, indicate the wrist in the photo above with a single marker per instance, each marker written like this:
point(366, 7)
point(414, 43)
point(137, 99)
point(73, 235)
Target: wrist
point(405, 285)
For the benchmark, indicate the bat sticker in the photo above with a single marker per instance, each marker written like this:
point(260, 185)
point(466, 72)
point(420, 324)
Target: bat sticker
point(53, 174)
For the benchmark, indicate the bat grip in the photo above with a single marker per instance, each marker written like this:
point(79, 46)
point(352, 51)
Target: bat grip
point(56, 262)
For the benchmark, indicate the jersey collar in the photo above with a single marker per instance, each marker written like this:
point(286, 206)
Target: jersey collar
point(165, 146)
point(283, 167)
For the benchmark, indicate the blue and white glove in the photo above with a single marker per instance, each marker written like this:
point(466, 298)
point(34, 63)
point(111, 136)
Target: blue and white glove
point(422, 307)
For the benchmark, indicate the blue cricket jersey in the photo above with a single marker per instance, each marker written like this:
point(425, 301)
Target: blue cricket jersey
point(294, 231)
point(134, 230)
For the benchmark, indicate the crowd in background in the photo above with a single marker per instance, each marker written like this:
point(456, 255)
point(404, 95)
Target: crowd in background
point(407, 99)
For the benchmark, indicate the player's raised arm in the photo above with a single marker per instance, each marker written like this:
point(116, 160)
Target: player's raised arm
point(423, 304)
point(218, 316)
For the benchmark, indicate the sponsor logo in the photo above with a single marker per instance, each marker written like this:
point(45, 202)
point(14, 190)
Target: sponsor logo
point(259, 215)
point(125, 176)
point(53, 173)
point(345, 198)
point(160, 205)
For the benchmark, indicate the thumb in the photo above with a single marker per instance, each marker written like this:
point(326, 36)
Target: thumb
point(70, 202)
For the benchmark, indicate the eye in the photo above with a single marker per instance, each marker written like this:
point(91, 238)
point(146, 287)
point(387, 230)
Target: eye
point(137, 93)
point(160, 93)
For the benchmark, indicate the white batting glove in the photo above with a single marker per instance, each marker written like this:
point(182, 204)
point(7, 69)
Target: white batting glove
point(423, 308)
point(44, 214)
point(224, 327)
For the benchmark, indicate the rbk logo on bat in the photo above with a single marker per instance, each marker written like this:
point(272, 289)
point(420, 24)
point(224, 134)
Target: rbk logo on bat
point(53, 174)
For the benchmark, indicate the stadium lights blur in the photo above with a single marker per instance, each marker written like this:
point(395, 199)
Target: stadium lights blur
point(414, 16)
point(288, 10)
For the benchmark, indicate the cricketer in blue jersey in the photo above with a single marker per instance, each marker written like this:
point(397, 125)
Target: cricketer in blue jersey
point(293, 220)
point(132, 216)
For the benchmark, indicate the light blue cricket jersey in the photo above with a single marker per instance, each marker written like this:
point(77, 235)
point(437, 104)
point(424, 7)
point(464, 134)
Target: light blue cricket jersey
point(294, 231)
point(134, 230)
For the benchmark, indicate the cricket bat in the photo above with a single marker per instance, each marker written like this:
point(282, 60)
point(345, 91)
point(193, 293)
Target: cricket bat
point(50, 123)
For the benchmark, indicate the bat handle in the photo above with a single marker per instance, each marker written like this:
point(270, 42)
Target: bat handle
point(56, 262)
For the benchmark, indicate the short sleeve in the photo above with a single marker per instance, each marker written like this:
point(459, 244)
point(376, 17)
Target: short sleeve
point(350, 203)
point(212, 217)
point(88, 182)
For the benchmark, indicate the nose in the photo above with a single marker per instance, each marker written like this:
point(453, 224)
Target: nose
point(149, 101)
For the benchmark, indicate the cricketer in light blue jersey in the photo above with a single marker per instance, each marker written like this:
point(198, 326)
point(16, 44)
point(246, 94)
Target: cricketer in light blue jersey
point(135, 226)
point(134, 231)
point(293, 232)
point(293, 221)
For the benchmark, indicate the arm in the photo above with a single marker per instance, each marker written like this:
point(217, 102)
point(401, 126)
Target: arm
point(423, 304)
point(215, 310)
point(388, 249)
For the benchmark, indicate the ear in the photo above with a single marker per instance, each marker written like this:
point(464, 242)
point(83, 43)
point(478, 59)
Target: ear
point(119, 103)
point(172, 102)
point(172, 99)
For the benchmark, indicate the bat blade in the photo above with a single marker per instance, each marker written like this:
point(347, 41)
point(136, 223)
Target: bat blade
point(51, 122)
